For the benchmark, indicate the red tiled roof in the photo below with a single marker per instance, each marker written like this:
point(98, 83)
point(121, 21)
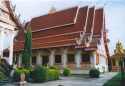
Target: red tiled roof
point(55, 19)
point(98, 22)
point(63, 35)
point(90, 20)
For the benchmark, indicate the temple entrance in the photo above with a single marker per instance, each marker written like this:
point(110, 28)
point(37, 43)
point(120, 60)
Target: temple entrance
point(45, 60)
point(85, 58)
point(58, 59)
point(71, 61)
point(85, 61)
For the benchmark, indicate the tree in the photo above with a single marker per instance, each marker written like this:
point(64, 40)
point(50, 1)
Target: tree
point(27, 52)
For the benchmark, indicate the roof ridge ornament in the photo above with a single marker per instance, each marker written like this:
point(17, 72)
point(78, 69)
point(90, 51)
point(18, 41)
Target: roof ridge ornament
point(52, 10)
point(80, 40)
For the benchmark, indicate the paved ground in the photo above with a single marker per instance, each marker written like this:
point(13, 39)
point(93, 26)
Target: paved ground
point(76, 80)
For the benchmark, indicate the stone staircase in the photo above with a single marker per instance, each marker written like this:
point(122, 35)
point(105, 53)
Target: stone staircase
point(3, 82)
point(115, 68)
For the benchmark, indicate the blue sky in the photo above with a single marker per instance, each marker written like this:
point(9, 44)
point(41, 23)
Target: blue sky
point(114, 11)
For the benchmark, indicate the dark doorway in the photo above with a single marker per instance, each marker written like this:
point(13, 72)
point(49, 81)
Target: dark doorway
point(71, 58)
point(45, 60)
point(85, 58)
point(34, 60)
point(58, 59)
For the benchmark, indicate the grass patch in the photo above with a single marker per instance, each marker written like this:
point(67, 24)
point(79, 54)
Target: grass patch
point(115, 81)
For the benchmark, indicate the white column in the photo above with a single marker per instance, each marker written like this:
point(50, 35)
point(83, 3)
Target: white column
point(1, 41)
point(64, 58)
point(39, 59)
point(52, 57)
point(11, 49)
point(20, 60)
point(78, 58)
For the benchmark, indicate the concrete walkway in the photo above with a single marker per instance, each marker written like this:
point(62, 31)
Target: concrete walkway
point(77, 80)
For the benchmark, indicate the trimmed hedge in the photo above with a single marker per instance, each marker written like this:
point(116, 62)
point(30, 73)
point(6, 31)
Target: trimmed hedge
point(42, 74)
point(53, 74)
point(54, 67)
point(94, 73)
point(66, 72)
point(39, 74)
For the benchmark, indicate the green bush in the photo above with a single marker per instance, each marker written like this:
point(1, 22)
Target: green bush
point(66, 72)
point(42, 74)
point(54, 67)
point(2, 76)
point(53, 74)
point(19, 71)
point(39, 74)
point(94, 73)
point(2, 70)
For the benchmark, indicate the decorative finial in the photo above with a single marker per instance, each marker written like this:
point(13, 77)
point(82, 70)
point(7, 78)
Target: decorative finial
point(52, 10)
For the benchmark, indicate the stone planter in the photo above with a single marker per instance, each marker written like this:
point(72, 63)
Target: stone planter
point(22, 79)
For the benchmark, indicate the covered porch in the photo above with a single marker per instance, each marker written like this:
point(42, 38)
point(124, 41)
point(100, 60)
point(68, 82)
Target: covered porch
point(64, 57)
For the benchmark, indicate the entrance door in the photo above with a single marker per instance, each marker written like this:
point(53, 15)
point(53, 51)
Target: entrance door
point(71, 61)
point(85, 58)
point(45, 60)
point(85, 61)
point(58, 59)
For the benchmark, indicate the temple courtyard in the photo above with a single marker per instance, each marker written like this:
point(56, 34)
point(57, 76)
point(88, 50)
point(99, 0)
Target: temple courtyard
point(75, 80)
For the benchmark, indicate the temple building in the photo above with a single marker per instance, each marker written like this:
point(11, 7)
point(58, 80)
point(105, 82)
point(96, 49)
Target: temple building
point(8, 25)
point(75, 37)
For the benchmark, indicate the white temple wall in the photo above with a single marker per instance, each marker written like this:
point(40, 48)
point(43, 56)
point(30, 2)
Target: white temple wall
point(102, 55)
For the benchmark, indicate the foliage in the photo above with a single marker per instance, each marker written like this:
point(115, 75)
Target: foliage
point(54, 67)
point(53, 74)
point(42, 74)
point(115, 81)
point(94, 73)
point(2, 70)
point(27, 53)
point(2, 76)
point(66, 72)
point(39, 74)
point(19, 71)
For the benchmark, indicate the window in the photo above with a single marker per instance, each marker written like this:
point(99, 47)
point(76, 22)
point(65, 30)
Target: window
point(58, 59)
point(45, 60)
point(34, 60)
point(71, 58)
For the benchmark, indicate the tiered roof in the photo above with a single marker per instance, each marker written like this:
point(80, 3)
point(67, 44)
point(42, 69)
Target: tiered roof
point(61, 29)
point(8, 16)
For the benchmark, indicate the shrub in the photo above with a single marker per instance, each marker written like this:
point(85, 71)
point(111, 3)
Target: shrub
point(39, 74)
point(66, 72)
point(94, 73)
point(53, 74)
point(19, 71)
point(54, 67)
point(2, 76)
point(3, 70)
